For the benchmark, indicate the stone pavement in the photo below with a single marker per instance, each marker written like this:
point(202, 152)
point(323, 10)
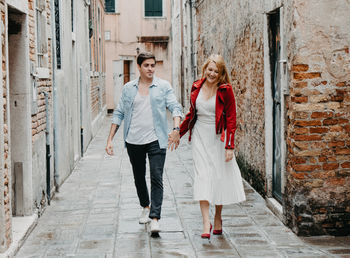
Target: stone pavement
point(95, 214)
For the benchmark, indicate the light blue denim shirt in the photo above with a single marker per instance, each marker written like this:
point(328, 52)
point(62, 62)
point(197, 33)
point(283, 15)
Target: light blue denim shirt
point(162, 97)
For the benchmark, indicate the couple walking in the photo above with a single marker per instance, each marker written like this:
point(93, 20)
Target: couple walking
point(211, 122)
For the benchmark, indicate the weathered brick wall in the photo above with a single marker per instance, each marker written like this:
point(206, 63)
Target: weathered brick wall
point(317, 185)
point(5, 151)
point(234, 29)
point(43, 85)
point(95, 97)
point(317, 198)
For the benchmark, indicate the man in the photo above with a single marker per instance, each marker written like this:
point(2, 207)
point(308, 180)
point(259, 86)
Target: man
point(143, 107)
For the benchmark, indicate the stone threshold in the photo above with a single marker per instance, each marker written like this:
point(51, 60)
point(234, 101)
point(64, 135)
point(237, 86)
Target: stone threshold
point(21, 228)
point(275, 207)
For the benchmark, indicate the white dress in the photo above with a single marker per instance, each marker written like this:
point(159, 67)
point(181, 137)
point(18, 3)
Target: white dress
point(215, 180)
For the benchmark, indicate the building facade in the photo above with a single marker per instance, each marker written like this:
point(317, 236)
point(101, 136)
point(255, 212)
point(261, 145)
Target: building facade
point(289, 63)
point(97, 63)
point(47, 118)
point(131, 27)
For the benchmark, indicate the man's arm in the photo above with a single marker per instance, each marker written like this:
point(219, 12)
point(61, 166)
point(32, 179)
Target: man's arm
point(112, 132)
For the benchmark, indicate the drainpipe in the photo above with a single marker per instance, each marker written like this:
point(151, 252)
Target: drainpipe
point(54, 93)
point(192, 44)
point(48, 154)
point(182, 72)
point(81, 113)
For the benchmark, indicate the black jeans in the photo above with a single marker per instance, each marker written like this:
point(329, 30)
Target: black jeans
point(156, 157)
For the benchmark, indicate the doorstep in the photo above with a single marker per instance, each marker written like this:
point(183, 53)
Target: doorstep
point(21, 228)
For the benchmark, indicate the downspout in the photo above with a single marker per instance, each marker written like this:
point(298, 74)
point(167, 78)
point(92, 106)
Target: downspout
point(193, 67)
point(48, 154)
point(54, 92)
point(81, 113)
point(182, 84)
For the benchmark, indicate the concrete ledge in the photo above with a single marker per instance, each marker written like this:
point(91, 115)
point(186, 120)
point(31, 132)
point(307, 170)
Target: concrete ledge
point(21, 228)
point(275, 207)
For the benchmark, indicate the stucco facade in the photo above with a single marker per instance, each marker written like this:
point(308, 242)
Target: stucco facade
point(127, 32)
point(289, 64)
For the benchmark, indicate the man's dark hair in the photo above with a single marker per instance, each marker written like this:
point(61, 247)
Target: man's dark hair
point(143, 56)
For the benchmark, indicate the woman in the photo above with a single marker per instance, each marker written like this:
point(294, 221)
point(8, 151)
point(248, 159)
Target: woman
point(217, 179)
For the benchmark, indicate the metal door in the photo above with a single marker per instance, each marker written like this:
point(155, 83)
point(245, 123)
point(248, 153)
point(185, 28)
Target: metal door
point(275, 54)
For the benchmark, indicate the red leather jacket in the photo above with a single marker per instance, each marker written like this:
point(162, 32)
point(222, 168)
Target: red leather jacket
point(225, 113)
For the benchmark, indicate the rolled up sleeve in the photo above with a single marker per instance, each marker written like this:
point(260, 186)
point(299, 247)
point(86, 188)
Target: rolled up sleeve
point(118, 113)
point(172, 104)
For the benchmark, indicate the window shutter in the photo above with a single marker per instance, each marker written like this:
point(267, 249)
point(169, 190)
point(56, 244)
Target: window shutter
point(43, 35)
point(158, 7)
point(153, 7)
point(110, 6)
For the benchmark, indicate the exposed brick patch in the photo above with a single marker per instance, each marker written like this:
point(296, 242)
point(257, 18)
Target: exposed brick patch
point(319, 130)
point(303, 76)
point(300, 68)
point(307, 137)
point(322, 114)
point(302, 167)
point(330, 166)
point(307, 123)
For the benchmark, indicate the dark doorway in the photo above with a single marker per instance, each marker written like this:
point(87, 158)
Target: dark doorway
point(126, 71)
point(275, 54)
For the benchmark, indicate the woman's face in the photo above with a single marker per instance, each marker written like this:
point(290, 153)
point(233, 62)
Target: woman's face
point(212, 73)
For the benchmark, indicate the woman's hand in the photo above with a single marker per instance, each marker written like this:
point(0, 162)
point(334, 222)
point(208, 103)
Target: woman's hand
point(228, 155)
point(173, 140)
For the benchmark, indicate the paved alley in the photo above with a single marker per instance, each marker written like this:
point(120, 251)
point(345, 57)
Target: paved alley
point(95, 214)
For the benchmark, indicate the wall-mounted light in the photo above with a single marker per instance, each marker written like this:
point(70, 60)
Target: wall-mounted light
point(138, 50)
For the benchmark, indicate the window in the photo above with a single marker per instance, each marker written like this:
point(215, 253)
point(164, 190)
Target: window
point(153, 8)
point(107, 35)
point(41, 38)
point(110, 6)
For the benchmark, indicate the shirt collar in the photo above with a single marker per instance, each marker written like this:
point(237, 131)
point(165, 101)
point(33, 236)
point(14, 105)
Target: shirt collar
point(155, 82)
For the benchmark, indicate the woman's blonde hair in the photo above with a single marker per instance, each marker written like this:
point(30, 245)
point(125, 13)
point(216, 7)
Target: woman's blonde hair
point(219, 61)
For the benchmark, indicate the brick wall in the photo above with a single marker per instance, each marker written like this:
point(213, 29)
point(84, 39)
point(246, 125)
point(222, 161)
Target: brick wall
point(5, 151)
point(235, 31)
point(43, 85)
point(95, 97)
point(317, 198)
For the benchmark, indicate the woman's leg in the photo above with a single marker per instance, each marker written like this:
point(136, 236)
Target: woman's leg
point(217, 218)
point(205, 215)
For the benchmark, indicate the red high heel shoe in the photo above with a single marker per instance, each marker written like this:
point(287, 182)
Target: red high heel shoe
point(206, 235)
point(218, 231)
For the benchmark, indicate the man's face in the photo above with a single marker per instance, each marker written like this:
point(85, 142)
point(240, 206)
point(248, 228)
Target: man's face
point(147, 68)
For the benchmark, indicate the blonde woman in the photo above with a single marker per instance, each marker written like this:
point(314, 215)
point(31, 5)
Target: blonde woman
point(211, 122)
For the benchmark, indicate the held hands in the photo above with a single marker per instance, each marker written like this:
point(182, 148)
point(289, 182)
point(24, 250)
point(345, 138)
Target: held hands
point(109, 148)
point(228, 155)
point(173, 140)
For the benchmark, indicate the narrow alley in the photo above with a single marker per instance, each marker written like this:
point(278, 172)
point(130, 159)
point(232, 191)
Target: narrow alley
point(95, 214)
